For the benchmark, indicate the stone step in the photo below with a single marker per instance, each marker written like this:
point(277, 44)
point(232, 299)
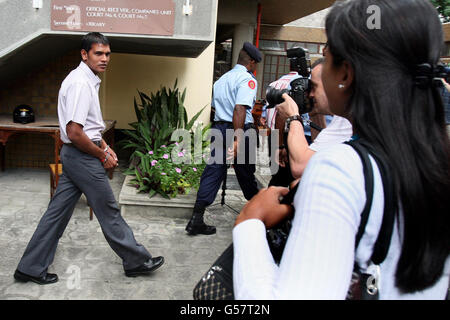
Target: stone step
point(181, 206)
point(140, 203)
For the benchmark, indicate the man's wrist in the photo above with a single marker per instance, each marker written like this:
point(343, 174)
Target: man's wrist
point(288, 121)
point(106, 158)
point(103, 144)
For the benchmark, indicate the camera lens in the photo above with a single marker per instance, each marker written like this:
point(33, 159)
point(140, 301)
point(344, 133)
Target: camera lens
point(274, 96)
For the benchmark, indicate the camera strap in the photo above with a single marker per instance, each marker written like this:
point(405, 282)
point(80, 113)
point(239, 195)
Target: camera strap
point(382, 243)
point(311, 124)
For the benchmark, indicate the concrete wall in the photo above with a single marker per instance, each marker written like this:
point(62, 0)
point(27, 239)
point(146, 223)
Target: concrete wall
point(125, 74)
point(296, 34)
point(446, 27)
point(39, 87)
point(21, 26)
point(309, 29)
point(243, 15)
point(20, 22)
point(128, 73)
point(315, 20)
point(281, 12)
point(237, 11)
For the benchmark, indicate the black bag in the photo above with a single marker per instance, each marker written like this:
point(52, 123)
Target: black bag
point(217, 283)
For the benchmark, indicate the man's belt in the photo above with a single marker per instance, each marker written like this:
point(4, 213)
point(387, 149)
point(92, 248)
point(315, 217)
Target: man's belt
point(223, 122)
point(97, 143)
point(247, 125)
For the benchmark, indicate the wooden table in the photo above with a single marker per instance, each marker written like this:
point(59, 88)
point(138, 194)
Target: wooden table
point(42, 125)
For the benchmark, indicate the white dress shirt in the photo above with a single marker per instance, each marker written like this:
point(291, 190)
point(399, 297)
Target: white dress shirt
point(78, 102)
point(318, 259)
point(338, 131)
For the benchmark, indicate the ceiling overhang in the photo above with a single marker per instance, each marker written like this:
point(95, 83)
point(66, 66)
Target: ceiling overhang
point(46, 47)
point(280, 12)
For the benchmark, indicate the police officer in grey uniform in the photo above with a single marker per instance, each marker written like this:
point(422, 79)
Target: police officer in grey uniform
point(85, 157)
point(234, 95)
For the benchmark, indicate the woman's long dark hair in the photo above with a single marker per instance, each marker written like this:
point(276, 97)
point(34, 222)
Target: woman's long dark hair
point(403, 122)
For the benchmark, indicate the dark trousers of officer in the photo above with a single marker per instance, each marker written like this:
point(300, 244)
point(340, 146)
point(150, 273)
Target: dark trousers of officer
point(82, 173)
point(214, 173)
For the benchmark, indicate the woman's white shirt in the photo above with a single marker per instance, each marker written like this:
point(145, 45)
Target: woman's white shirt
point(319, 256)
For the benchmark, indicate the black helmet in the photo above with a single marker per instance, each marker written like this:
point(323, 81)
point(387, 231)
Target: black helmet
point(23, 114)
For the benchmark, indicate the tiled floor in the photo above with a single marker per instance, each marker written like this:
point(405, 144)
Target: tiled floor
point(86, 265)
point(84, 262)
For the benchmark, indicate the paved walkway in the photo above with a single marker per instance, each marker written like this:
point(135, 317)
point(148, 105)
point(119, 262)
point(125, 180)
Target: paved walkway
point(86, 265)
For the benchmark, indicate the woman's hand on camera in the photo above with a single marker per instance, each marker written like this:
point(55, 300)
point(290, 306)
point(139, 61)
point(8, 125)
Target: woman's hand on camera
point(266, 207)
point(288, 108)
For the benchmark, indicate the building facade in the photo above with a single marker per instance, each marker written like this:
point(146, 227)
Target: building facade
point(198, 42)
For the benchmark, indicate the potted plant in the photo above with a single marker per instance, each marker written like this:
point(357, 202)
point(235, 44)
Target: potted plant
point(159, 163)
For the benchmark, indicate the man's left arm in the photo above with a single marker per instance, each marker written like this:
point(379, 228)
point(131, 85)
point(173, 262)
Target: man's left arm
point(82, 142)
point(239, 114)
point(245, 98)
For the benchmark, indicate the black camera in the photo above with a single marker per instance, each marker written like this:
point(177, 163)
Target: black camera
point(300, 88)
point(426, 75)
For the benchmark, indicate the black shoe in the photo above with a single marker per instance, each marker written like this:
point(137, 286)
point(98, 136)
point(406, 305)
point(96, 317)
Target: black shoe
point(47, 279)
point(150, 266)
point(199, 228)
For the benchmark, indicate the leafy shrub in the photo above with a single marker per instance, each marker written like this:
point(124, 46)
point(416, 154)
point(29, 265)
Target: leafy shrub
point(159, 164)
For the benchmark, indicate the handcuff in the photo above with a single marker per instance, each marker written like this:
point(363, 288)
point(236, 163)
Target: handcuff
point(107, 156)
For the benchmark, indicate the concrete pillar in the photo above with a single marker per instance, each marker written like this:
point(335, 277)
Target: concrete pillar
point(242, 33)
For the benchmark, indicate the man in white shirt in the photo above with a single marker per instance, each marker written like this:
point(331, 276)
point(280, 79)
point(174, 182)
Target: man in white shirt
point(276, 121)
point(339, 129)
point(85, 157)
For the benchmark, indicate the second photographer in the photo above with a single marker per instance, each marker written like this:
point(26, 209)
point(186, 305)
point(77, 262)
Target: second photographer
point(299, 151)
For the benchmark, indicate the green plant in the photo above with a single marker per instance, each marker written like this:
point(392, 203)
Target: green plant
point(159, 164)
point(156, 172)
point(443, 7)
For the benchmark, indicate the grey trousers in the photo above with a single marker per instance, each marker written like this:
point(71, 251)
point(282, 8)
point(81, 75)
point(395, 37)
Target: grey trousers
point(82, 173)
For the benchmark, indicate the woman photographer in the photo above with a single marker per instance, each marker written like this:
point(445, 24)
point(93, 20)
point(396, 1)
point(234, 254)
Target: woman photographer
point(370, 77)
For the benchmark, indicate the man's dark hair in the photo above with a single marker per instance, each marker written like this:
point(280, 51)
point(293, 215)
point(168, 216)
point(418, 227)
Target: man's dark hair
point(317, 62)
point(244, 58)
point(91, 38)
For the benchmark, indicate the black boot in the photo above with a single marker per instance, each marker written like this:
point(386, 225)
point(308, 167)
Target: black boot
point(197, 226)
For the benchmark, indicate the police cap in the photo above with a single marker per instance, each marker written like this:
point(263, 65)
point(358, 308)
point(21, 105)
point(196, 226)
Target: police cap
point(252, 51)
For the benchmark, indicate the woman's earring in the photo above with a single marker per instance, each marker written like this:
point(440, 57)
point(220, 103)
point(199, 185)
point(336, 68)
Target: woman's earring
point(341, 86)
